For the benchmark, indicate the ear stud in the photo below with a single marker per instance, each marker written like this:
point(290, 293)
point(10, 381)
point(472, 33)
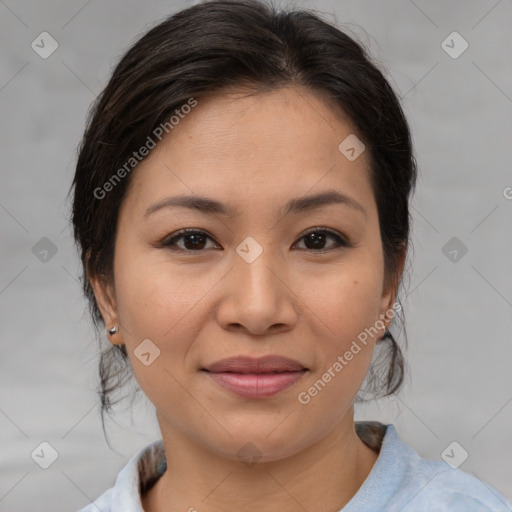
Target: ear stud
point(113, 330)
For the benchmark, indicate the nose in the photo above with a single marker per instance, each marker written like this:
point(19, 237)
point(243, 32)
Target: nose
point(257, 298)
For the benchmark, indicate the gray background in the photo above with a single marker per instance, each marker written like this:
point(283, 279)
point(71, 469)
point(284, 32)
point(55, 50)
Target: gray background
point(458, 313)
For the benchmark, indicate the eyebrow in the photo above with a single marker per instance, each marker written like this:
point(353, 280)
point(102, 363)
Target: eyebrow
point(298, 205)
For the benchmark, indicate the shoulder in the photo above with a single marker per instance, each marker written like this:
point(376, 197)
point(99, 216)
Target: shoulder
point(138, 475)
point(436, 483)
point(102, 503)
point(402, 480)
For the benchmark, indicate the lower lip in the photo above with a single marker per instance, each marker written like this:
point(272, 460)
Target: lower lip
point(256, 385)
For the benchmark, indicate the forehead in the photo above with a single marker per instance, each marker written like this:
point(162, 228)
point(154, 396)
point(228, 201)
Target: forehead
point(234, 144)
point(293, 119)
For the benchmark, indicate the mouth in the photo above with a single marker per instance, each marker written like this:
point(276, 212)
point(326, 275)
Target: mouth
point(247, 364)
point(256, 377)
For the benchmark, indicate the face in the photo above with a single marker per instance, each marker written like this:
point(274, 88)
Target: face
point(283, 259)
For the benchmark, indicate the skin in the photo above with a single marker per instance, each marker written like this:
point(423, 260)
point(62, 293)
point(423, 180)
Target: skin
point(253, 153)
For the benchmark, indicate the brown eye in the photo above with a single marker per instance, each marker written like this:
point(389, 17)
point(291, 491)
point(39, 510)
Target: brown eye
point(316, 239)
point(188, 240)
point(193, 240)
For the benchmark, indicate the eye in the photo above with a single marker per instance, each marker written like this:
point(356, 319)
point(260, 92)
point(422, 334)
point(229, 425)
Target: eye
point(194, 240)
point(315, 240)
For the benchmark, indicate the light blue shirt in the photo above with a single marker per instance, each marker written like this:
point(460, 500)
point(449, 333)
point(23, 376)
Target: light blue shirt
point(400, 481)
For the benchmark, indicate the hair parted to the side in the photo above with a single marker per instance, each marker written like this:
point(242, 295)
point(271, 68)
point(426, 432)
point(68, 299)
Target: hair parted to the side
point(236, 45)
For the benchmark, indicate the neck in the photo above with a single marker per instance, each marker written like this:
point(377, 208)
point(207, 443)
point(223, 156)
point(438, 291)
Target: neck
point(324, 476)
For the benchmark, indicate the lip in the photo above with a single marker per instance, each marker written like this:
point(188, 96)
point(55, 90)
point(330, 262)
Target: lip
point(261, 377)
point(247, 364)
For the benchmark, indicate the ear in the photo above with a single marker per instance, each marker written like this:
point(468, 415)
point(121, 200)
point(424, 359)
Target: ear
point(106, 299)
point(390, 290)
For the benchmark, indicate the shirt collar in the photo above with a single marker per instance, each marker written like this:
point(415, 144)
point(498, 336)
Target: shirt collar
point(141, 471)
point(147, 466)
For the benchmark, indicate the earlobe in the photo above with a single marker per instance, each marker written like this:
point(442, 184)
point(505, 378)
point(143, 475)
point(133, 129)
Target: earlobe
point(389, 296)
point(387, 312)
point(105, 298)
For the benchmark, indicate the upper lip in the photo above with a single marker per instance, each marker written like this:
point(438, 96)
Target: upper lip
point(247, 364)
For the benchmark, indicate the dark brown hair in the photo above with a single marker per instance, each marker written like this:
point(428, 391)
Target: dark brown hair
point(237, 44)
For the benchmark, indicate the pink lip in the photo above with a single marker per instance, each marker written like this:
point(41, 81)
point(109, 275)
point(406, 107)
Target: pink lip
point(256, 378)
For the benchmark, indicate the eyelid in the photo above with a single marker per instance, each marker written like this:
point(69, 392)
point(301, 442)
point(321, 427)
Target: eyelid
point(323, 229)
point(341, 239)
point(170, 240)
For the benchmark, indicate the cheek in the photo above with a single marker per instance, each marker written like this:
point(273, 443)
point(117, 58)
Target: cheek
point(152, 300)
point(350, 310)
point(155, 305)
point(348, 305)
point(348, 299)
point(166, 306)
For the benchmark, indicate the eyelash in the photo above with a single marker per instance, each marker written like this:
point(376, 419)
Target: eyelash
point(170, 243)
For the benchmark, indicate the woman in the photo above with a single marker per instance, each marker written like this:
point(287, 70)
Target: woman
point(241, 208)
